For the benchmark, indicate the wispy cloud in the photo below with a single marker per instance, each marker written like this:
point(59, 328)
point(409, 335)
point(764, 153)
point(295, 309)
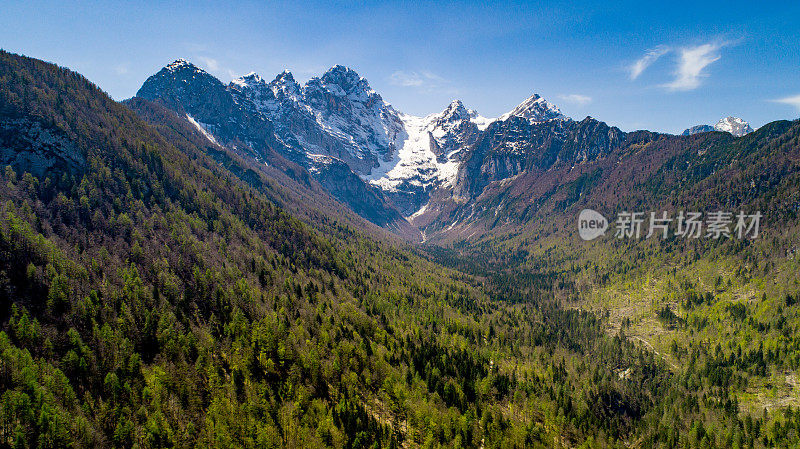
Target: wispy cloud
point(692, 63)
point(423, 80)
point(213, 66)
point(210, 63)
point(121, 69)
point(645, 61)
point(792, 101)
point(576, 99)
point(414, 79)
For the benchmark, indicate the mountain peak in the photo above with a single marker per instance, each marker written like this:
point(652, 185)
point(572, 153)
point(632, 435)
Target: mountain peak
point(344, 78)
point(177, 75)
point(284, 82)
point(697, 129)
point(180, 64)
point(250, 80)
point(535, 108)
point(252, 77)
point(733, 125)
point(730, 124)
point(339, 73)
point(340, 69)
point(284, 77)
point(457, 111)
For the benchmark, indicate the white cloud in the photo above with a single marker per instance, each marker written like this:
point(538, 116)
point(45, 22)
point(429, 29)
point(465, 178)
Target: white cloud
point(121, 69)
point(645, 61)
point(691, 64)
point(213, 66)
point(211, 63)
point(792, 101)
point(423, 80)
point(406, 79)
point(577, 99)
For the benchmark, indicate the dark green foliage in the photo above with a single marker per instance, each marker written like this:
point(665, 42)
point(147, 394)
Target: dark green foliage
point(162, 296)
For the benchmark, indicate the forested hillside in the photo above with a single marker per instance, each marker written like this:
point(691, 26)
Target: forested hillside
point(722, 313)
point(158, 291)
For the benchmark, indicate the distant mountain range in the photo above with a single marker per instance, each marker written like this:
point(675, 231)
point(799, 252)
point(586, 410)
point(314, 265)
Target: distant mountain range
point(389, 167)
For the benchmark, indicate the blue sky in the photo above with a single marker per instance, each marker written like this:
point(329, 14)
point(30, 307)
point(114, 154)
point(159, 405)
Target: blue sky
point(662, 67)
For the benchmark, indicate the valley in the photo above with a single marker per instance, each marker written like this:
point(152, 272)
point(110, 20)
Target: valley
point(269, 264)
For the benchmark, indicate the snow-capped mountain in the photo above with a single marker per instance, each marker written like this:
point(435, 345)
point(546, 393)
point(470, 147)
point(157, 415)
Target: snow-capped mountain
point(535, 109)
point(192, 92)
point(431, 153)
point(264, 121)
point(383, 163)
point(336, 115)
point(733, 125)
point(339, 115)
point(428, 155)
point(344, 103)
point(337, 124)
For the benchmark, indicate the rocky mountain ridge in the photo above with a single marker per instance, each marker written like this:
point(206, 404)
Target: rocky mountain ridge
point(243, 117)
point(383, 163)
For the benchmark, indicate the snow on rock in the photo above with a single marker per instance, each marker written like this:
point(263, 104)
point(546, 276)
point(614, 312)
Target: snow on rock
point(337, 114)
point(340, 116)
point(733, 125)
point(345, 104)
point(535, 109)
point(178, 64)
point(697, 129)
point(202, 128)
point(429, 148)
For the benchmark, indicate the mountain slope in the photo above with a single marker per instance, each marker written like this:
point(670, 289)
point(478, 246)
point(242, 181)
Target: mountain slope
point(157, 292)
point(161, 296)
point(237, 122)
point(721, 312)
point(429, 156)
point(336, 121)
point(304, 198)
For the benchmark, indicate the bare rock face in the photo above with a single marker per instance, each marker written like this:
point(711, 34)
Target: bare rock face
point(697, 129)
point(348, 129)
point(187, 89)
point(517, 144)
point(336, 115)
point(29, 146)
